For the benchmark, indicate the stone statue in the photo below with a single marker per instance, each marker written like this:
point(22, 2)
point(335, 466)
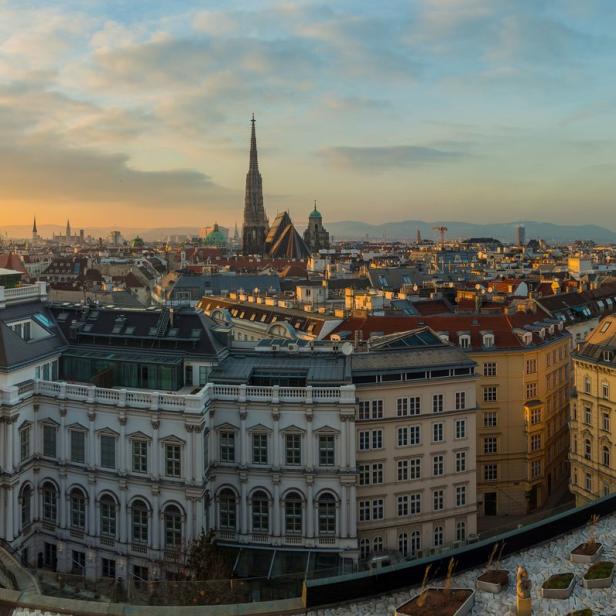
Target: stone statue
point(523, 586)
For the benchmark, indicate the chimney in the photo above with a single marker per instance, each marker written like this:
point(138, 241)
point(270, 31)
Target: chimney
point(171, 316)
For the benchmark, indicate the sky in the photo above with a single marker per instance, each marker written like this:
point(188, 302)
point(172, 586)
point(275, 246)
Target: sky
point(137, 112)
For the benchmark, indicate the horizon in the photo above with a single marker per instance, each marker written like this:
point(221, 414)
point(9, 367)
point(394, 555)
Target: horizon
point(378, 112)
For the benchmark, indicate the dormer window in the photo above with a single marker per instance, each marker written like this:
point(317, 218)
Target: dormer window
point(527, 338)
point(608, 356)
point(488, 340)
point(464, 341)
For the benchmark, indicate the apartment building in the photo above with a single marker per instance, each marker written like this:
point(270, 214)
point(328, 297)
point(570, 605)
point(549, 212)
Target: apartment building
point(591, 425)
point(522, 394)
point(416, 444)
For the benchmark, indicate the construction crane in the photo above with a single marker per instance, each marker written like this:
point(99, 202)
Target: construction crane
point(441, 231)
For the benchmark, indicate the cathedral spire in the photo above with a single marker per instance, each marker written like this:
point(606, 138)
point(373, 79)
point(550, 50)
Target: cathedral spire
point(255, 221)
point(68, 228)
point(34, 229)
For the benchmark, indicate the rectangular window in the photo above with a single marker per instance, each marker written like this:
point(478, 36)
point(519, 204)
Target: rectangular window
point(377, 473)
point(605, 421)
point(78, 446)
point(327, 448)
point(438, 500)
point(489, 368)
point(364, 474)
point(377, 439)
point(24, 443)
point(489, 419)
point(490, 472)
point(363, 409)
point(293, 449)
point(415, 468)
point(414, 435)
point(438, 401)
point(536, 469)
point(535, 442)
point(378, 509)
point(50, 435)
point(402, 436)
point(227, 446)
point(460, 461)
point(403, 505)
point(173, 460)
point(108, 451)
point(109, 568)
point(140, 456)
point(460, 496)
point(460, 400)
point(489, 393)
point(403, 470)
point(587, 415)
point(415, 504)
point(489, 444)
point(605, 391)
point(402, 407)
point(438, 466)
point(535, 416)
point(531, 366)
point(377, 409)
point(460, 428)
point(259, 448)
point(437, 433)
point(364, 441)
point(364, 511)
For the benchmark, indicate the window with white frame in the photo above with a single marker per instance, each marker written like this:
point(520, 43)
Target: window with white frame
point(78, 510)
point(227, 507)
point(460, 400)
point(260, 512)
point(108, 516)
point(489, 393)
point(489, 368)
point(437, 433)
point(438, 403)
point(402, 504)
point(489, 419)
point(402, 470)
point(50, 438)
point(460, 496)
point(327, 449)
point(605, 421)
point(536, 469)
point(108, 451)
point(535, 416)
point(415, 503)
point(489, 444)
point(377, 439)
point(173, 460)
point(535, 442)
point(460, 461)
point(490, 472)
point(363, 410)
point(460, 530)
point(438, 536)
point(438, 500)
point(78, 446)
point(139, 455)
point(438, 465)
point(139, 522)
point(259, 448)
point(24, 443)
point(226, 440)
point(605, 391)
point(460, 428)
point(293, 449)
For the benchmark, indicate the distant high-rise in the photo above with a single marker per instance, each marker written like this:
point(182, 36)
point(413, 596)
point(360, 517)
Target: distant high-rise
point(254, 230)
point(520, 235)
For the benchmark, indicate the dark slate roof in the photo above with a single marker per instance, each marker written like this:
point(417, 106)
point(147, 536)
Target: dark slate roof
point(16, 352)
point(183, 332)
point(216, 284)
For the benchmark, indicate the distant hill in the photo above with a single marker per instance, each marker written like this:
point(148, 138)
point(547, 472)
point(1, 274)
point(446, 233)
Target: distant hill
point(407, 230)
point(353, 230)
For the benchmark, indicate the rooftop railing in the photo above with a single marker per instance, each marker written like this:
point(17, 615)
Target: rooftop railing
point(23, 293)
point(191, 403)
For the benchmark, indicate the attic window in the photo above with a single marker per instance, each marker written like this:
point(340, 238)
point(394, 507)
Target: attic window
point(173, 332)
point(465, 341)
point(130, 330)
point(488, 340)
point(608, 356)
point(605, 327)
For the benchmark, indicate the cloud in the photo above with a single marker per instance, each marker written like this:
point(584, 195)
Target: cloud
point(380, 158)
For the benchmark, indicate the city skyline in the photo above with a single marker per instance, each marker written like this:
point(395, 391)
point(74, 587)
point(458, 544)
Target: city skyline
point(139, 115)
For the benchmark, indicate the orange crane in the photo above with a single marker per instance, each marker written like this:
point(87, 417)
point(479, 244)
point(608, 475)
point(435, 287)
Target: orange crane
point(441, 231)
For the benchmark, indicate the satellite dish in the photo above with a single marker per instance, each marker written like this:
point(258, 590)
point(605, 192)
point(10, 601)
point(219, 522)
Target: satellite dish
point(347, 348)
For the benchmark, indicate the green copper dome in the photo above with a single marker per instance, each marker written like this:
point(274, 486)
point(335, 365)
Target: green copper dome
point(215, 237)
point(315, 213)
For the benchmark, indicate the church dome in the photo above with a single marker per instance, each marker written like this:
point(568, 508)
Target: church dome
point(137, 243)
point(215, 237)
point(315, 213)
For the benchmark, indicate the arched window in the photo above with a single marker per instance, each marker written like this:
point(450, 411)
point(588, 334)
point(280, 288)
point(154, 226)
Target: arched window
point(140, 522)
point(403, 544)
point(327, 515)
point(78, 510)
point(606, 455)
point(227, 510)
point(50, 503)
point(108, 517)
point(26, 506)
point(173, 527)
point(415, 542)
point(293, 520)
point(260, 512)
point(587, 449)
point(438, 536)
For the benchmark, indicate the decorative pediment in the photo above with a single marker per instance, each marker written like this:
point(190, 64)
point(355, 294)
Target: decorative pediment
point(172, 439)
point(327, 430)
point(48, 421)
point(107, 432)
point(259, 428)
point(25, 424)
point(226, 426)
point(77, 426)
point(139, 436)
point(292, 428)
